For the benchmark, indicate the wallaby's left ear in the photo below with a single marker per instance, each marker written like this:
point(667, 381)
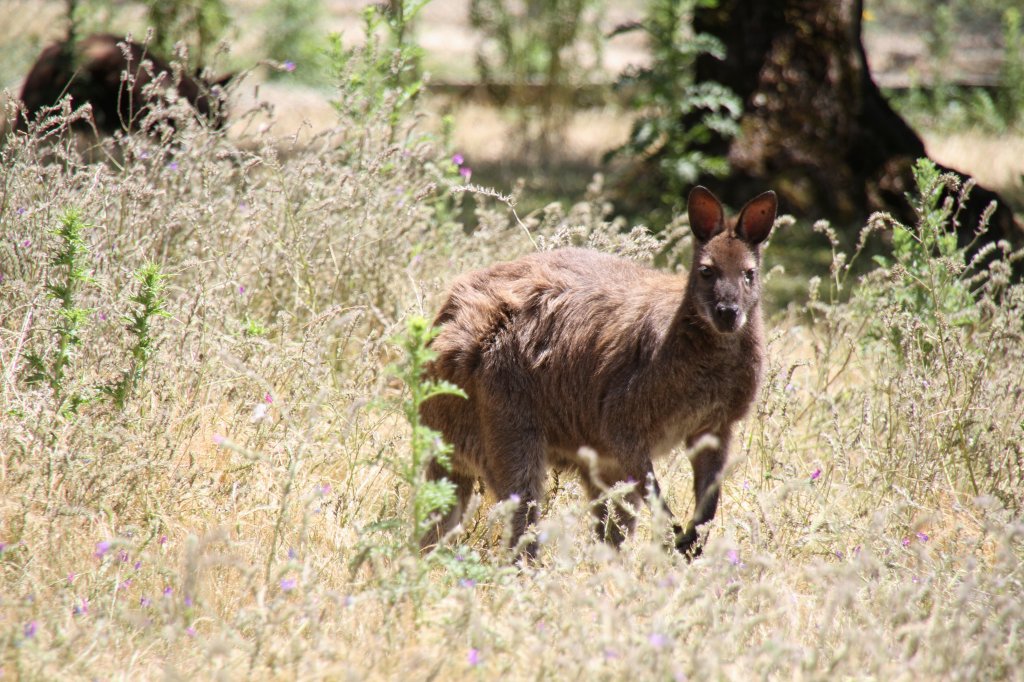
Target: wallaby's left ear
point(757, 218)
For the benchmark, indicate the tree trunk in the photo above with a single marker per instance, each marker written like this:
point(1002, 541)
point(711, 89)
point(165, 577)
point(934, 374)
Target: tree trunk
point(815, 127)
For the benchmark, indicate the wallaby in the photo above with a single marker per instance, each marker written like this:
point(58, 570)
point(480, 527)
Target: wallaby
point(91, 71)
point(572, 349)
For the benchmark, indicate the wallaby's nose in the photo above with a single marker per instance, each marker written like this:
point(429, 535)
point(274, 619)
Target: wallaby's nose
point(726, 316)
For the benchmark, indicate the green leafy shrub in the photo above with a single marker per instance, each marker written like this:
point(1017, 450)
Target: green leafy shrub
point(294, 39)
point(1011, 75)
point(928, 274)
point(380, 78)
point(677, 115)
point(197, 23)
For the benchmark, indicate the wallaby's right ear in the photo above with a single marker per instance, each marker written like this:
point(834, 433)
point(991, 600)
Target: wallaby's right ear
point(707, 217)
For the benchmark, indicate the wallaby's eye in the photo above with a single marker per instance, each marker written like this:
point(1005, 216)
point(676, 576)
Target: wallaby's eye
point(704, 271)
point(749, 275)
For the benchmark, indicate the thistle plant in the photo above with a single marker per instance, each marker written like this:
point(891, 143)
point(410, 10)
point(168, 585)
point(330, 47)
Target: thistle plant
point(427, 498)
point(68, 276)
point(150, 301)
point(928, 272)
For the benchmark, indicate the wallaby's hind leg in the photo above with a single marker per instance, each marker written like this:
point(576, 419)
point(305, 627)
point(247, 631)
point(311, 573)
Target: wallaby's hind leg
point(463, 489)
point(708, 463)
point(516, 466)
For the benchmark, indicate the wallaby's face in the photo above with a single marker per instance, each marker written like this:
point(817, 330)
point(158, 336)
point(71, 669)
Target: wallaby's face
point(725, 281)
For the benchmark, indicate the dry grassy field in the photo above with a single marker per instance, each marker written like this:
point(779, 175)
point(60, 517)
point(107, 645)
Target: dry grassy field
point(221, 490)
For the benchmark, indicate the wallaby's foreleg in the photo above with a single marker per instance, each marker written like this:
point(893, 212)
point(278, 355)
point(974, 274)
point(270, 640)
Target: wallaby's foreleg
point(708, 460)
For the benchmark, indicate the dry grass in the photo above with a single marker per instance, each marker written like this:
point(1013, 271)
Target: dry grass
point(227, 521)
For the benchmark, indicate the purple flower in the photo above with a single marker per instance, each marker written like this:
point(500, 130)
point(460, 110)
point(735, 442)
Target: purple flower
point(188, 600)
point(27, 243)
point(323, 489)
point(657, 640)
point(162, 540)
point(268, 398)
point(458, 160)
point(101, 549)
point(923, 537)
point(22, 210)
point(3, 546)
point(30, 629)
point(816, 474)
point(610, 654)
point(467, 582)
point(466, 172)
point(288, 66)
point(218, 439)
point(288, 584)
point(103, 316)
point(839, 555)
point(473, 657)
point(137, 565)
point(905, 542)
point(241, 289)
point(733, 556)
point(292, 554)
point(190, 631)
point(123, 556)
point(168, 591)
point(126, 584)
point(71, 578)
point(81, 608)
point(173, 165)
point(144, 602)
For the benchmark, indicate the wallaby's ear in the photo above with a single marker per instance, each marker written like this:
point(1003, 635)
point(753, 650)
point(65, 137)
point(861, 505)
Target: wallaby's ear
point(707, 217)
point(757, 218)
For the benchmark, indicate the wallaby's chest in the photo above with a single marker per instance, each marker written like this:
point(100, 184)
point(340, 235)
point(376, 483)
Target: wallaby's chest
point(711, 399)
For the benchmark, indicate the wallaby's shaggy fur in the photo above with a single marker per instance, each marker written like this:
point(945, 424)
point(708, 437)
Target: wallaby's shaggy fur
point(572, 348)
point(91, 71)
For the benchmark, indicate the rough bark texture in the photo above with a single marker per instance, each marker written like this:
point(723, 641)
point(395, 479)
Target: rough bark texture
point(815, 126)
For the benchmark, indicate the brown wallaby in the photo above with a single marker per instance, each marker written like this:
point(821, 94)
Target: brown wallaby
point(574, 349)
point(94, 69)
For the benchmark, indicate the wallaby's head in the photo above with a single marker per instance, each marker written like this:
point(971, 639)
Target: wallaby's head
point(725, 281)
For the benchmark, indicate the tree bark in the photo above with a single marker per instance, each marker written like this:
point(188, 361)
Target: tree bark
point(815, 127)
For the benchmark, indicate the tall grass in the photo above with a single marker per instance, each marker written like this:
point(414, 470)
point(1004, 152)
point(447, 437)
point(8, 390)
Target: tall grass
point(224, 519)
